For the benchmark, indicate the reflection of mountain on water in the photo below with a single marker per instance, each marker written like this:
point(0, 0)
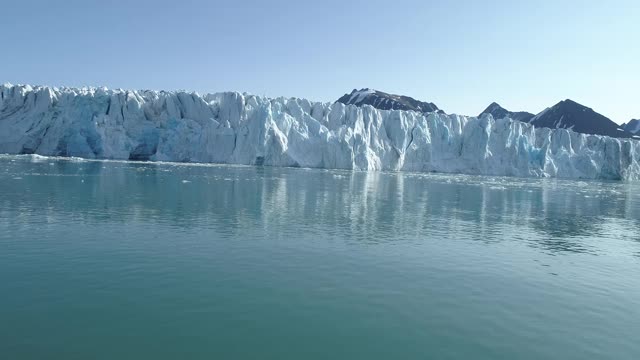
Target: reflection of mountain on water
point(555, 216)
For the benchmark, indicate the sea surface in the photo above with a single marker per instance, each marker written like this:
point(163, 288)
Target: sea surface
point(126, 260)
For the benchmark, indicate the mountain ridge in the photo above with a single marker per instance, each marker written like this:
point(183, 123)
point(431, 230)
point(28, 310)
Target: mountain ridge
point(386, 101)
point(498, 112)
point(633, 126)
point(566, 114)
point(569, 114)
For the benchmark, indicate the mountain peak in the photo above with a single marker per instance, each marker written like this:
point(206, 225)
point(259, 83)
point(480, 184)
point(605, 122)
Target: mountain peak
point(632, 126)
point(498, 112)
point(494, 106)
point(568, 114)
point(385, 101)
point(571, 103)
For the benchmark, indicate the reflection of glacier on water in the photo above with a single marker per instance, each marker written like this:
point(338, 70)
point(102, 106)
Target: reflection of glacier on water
point(225, 258)
point(375, 207)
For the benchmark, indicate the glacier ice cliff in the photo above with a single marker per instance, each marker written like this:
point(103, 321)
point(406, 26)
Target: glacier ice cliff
point(236, 128)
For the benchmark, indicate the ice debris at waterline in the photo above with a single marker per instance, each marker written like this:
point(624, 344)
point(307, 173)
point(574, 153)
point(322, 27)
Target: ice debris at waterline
point(238, 128)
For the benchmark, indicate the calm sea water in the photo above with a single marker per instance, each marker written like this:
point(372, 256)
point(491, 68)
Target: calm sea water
point(115, 260)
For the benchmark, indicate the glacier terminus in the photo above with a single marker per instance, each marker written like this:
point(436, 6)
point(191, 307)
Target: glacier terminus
point(235, 128)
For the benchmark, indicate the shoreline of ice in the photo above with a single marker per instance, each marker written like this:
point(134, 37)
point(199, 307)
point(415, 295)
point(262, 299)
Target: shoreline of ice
point(241, 129)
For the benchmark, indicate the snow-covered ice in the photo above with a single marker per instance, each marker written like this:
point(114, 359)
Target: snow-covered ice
point(236, 128)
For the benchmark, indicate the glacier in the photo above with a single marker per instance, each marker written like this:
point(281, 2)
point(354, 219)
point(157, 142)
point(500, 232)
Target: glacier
point(235, 128)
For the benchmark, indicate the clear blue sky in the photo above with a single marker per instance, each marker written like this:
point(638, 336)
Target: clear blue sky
point(462, 55)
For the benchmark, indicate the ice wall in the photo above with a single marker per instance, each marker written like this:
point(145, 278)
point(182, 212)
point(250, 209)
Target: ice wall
point(245, 129)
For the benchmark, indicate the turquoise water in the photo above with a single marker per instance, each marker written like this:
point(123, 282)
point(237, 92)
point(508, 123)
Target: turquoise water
point(116, 260)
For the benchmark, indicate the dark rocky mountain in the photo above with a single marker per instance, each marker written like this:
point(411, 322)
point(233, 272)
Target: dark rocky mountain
point(498, 112)
point(632, 126)
point(384, 101)
point(566, 114)
point(569, 114)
